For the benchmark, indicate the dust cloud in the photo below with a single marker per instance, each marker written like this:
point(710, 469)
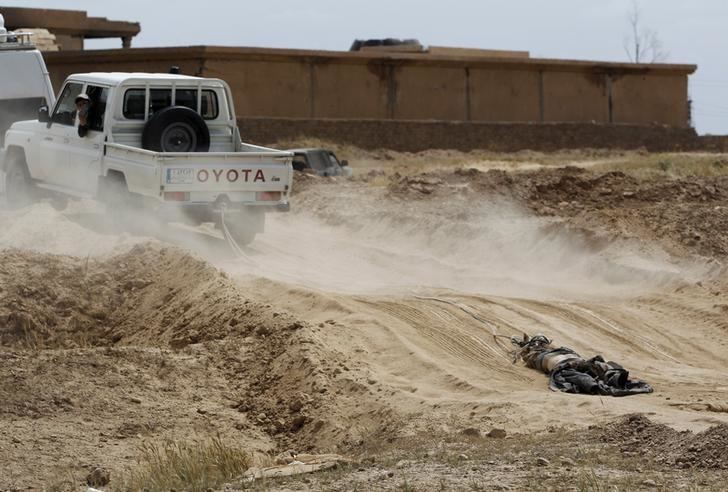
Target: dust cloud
point(498, 249)
point(43, 229)
point(495, 249)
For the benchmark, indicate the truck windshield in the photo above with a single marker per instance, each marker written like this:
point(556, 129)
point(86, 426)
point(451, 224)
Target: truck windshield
point(134, 101)
point(65, 112)
point(333, 161)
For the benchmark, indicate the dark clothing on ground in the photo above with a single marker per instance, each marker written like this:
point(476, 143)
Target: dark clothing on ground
point(570, 373)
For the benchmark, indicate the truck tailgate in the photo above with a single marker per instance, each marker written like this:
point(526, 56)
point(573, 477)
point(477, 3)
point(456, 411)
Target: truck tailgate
point(238, 171)
point(203, 174)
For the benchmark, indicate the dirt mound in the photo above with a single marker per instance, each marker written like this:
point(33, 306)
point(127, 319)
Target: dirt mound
point(447, 183)
point(611, 201)
point(150, 296)
point(280, 372)
point(637, 435)
point(628, 206)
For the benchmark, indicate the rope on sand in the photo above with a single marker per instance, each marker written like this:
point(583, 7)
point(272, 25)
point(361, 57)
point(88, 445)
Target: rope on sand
point(237, 250)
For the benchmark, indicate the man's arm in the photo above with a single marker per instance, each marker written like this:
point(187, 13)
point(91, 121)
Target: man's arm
point(83, 118)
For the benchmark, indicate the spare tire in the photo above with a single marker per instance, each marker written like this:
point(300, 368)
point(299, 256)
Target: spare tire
point(176, 129)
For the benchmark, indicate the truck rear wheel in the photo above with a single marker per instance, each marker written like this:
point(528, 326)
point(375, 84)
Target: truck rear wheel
point(20, 190)
point(176, 129)
point(244, 225)
point(243, 234)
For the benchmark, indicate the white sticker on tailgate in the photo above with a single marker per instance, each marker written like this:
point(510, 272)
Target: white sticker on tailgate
point(180, 175)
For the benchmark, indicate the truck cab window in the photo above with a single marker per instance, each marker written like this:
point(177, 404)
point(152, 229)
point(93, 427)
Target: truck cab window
point(98, 96)
point(65, 112)
point(135, 99)
point(159, 99)
point(188, 99)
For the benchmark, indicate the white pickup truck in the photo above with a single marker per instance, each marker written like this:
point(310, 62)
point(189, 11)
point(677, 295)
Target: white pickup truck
point(165, 142)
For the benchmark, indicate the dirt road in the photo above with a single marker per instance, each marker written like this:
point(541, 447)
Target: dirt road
point(331, 334)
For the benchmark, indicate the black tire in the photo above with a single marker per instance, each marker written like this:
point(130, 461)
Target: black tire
point(20, 190)
point(176, 129)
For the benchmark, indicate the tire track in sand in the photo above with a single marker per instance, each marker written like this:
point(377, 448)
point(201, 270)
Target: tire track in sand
point(453, 332)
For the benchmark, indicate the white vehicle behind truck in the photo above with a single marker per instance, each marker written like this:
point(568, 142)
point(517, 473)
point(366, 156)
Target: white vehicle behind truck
point(165, 142)
point(24, 82)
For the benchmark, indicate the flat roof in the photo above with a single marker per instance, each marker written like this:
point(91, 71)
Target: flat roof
point(360, 57)
point(71, 22)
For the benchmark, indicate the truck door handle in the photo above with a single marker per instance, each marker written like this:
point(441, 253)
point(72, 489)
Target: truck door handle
point(48, 139)
point(97, 146)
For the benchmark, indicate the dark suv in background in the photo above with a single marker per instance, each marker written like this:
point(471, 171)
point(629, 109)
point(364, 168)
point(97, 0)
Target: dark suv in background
point(321, 162)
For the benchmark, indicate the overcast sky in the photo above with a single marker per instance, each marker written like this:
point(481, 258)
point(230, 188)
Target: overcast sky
point(692, 31)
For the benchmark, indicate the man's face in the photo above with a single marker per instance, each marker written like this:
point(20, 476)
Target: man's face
point(81, 104)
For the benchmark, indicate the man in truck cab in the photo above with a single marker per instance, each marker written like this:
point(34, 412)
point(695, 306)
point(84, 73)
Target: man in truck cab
point(83, 107)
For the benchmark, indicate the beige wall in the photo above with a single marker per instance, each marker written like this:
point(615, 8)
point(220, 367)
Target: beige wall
point(454, 51)
point(345, 89)
point(504, 95)
point(650, 99)
point(574, 96)
point(265, 88)
point(427, 94)
point(286, 83)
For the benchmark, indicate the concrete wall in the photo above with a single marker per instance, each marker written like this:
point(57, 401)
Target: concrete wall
point(650, 99)
point(263, 87)
point(415, 136)
point(504, 95)
point(575, 96)
point(405, 86)
point(340, 90)
point(424, 93)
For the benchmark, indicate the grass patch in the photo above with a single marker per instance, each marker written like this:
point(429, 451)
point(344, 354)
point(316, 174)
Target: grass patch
point(193, 467)
point(667, 165)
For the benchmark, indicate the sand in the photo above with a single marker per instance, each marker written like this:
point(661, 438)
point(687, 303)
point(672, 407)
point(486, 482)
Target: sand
point(320, 338)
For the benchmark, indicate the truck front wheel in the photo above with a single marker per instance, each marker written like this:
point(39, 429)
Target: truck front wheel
point(20, 190)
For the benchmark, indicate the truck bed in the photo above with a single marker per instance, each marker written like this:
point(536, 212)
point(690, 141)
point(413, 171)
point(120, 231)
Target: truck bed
point(238, 174)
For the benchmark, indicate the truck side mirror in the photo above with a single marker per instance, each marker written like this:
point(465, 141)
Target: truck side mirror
point(344, 163)
point(43, 115)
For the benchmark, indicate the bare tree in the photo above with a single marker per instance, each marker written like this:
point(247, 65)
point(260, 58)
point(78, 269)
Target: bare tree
point(642, 45)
